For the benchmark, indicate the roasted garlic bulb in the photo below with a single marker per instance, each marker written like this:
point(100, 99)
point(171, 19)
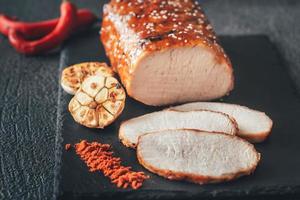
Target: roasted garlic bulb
point(73, 76)
point(98, 102)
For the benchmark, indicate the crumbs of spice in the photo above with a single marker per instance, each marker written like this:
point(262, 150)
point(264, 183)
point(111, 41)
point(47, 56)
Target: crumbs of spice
point(99, 157)
point(67, 147)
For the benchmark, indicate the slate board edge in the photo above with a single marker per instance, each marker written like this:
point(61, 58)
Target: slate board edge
point(149, 194)
point(59, 123)
point(284, 191)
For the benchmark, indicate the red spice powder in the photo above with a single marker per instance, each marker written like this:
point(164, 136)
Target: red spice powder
point(99, 157)
point(67, 147)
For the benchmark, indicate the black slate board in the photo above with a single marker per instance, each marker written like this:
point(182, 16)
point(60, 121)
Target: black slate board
point(261, 83)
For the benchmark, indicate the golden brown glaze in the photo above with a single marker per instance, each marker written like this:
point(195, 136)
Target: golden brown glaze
point(156, 25)
point(166, 22)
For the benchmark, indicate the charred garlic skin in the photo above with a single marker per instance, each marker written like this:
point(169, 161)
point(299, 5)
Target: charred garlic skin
point(73, 76)
point(98, 102)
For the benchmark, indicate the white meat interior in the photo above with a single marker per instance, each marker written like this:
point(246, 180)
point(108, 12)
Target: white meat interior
point(249, 121)
point(180, 75)
point(165, 120)
point(198, 153)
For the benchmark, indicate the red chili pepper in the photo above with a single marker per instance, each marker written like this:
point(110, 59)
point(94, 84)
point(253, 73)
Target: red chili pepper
point(61, 32)
point(31, 30)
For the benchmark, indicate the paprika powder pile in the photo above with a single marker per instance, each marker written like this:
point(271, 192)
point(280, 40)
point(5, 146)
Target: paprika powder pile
point(99, 157)
point(67, 147)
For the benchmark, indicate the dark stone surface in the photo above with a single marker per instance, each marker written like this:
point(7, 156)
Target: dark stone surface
point(29, 86)
point(28, 89)
point(278, 19)
point(28, 109)
point(258, 69)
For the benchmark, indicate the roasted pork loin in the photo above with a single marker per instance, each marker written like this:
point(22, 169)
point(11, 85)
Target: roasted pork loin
point(165, 51)
point(203, 120)
point(255, 126)
point(199, 157)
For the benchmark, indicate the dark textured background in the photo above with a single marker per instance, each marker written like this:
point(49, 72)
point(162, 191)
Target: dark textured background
point(29, 86)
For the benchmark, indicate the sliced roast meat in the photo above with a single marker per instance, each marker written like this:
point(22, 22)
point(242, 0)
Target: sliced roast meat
point(253, 125)
point(164, 120)
point(165, 51)
point(199, 157)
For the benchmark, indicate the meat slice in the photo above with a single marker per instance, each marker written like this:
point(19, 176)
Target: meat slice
point(253, 125)
point(198, 157)
point(199, 120)
point(165, 52)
